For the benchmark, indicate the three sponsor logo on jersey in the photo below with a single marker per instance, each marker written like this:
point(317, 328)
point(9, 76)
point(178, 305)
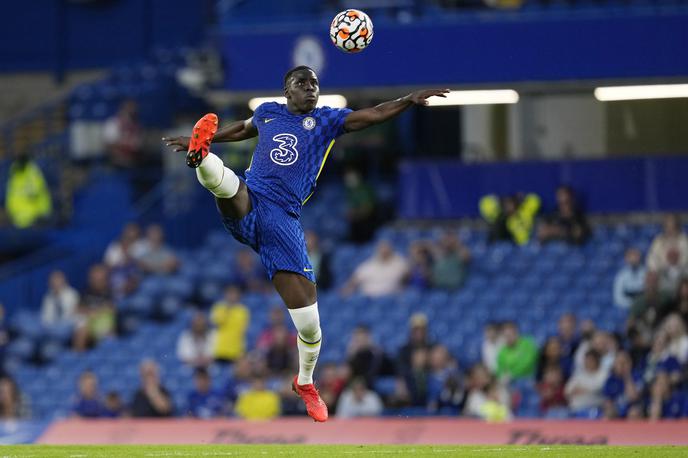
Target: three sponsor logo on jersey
point(286, 152)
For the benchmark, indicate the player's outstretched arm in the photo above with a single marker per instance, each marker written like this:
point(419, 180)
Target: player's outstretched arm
point(367, 117)
point(233, 132)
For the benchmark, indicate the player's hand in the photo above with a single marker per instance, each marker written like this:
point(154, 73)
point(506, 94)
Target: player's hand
point(177, 143)
point(421, 97)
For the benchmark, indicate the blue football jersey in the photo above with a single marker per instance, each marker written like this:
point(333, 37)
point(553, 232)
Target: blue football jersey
point(291, 152)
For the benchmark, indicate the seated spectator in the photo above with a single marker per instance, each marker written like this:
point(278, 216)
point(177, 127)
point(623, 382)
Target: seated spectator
point(380, 275)
point(366, 359)
point(604, 344)
point(281, 357)
point(551, 355)
point(420, 265)
point(512, 219)
point(551, 389)
point(623, 388)
point(675, 329)
point(660, 360)
point(203, 401)
point(130, 237)
point(331, 382)
point(518, 357)
point(249, 276)
point(669, 249)
point(479, 384)
point(195, 345)
point(495, 409)
point(156, 257)
point(418, 338)
point(568, 336)
point(123, 136)
point(584, 389)
point(88, 403)
point(417, 378)
point(27, 196)
point(451, 263)
point(665, 402)
point(492, 344)
point(320, 260)
point(445, 385)
point(13, 404)
point(630, 280)
point(258, 403)
point(277, 320)
point(151, 399)
point(650, 308)
point(96, 311)
point(671, 276)
point(359, 401)
point(114, 407)
point(361, 203)
point(567, 223)
point(231, 319)
point(126, 275)
point(681, 302)
point(60, 302)
point(241, 378)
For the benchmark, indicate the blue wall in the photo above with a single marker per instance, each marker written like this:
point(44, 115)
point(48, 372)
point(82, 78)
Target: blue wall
point(506, 48)
point(445, 190)
point(55, 35)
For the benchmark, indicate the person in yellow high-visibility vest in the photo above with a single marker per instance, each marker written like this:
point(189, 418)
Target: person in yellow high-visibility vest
point(512, 218)
point(28, 197)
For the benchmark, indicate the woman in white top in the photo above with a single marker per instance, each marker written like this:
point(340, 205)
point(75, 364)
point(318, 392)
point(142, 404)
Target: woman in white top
point(584, 389)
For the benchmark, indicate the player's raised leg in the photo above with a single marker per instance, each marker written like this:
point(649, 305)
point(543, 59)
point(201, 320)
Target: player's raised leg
point(299, 294)
point(231, 193)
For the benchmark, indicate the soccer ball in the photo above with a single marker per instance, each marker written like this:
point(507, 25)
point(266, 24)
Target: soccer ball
point(351, 30)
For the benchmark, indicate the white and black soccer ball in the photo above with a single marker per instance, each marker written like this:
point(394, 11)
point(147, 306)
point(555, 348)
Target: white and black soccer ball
point(351, 30)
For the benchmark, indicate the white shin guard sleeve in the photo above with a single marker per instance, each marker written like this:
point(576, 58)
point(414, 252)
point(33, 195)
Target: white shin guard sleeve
point(217, 178)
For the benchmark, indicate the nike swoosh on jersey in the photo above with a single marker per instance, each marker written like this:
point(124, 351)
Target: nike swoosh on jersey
point(267, 120)
point(307, 270)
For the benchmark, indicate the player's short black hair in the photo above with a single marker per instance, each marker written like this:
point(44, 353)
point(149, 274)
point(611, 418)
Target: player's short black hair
point(294, 70)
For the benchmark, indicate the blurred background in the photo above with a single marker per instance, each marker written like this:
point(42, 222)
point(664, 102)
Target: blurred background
point(519, 252)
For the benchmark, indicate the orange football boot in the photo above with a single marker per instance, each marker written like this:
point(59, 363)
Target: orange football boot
point(315, 406)
point(201, 137)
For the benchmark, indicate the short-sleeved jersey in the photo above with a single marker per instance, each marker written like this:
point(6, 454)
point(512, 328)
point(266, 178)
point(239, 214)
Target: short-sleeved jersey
point(291, 152)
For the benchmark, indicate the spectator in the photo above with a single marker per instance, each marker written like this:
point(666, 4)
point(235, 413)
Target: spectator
point(445, 386)
point(604, 344)
point(281, 357)
point(479, 383)
point(277, 320)
point(27, 197)
point(88, 403)
point(123, 136)
point(417, 378)
point(681, 303)
point(420, 265)
point(650, 308)
point(551, 355)
point(380, 275)
point(492, 344)
point(241, 378)
point(669, 248)
point(567, 223)
point(449, 269)
point(195, 345)
point(367, 360)
point(584, 389)
point(664, 403)
point(418, 338)
point(248, 275)
point(258, 403)
point(231, 319)
point(518, 357)
point(361, 204)
point(13, 404)
point(495, 409)
point(97, 311)
point(660, 360)
point(630, 280)
point(332, 381)
point(151, 399)
point(155, 257)
point(60, 302)
point(131, 238)
point(320, 260)
point(551, 389)
point(203, 401)
point(568, 336)
point(125, 275)
point(359, 401)
point(114, 407)
point(623, 388)
point(511, 219)
point(675, 330)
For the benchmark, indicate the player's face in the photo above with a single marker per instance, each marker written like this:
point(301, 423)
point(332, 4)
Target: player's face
point(302, 91)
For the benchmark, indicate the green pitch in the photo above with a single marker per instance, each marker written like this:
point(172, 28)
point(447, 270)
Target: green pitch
point(329, 451)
